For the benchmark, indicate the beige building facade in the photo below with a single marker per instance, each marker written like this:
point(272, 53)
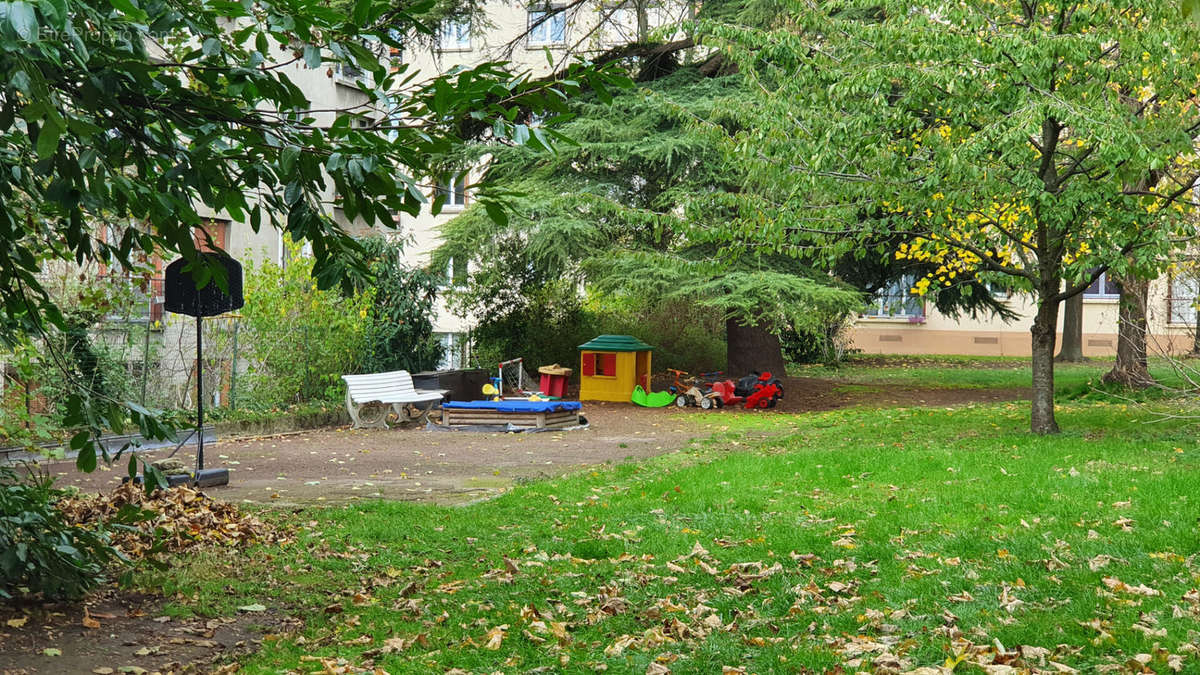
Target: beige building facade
point(897, 322)
point(535, 42)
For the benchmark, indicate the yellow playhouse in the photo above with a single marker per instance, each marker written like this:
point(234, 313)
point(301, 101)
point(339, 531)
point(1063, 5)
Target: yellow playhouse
point(611, 366)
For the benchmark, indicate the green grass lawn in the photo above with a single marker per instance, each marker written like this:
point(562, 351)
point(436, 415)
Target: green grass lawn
point(962, 372)
point(865, 538)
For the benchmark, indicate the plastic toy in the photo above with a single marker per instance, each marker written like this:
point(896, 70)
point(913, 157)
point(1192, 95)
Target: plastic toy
point(758, 390)
point(658, 399)
point(610, 366)
point(701, 399)
point(680, 385)
point(764, 397)
point(762, 390)
point(725, 390)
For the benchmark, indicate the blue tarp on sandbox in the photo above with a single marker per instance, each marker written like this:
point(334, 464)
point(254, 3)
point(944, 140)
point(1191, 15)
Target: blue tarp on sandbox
point(515, 406)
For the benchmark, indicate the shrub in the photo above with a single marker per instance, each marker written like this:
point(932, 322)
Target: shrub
point(300, 339)
point(825, 339)
point(545, 328)
point(684, 335)
point(399, 334)
point(39, 551)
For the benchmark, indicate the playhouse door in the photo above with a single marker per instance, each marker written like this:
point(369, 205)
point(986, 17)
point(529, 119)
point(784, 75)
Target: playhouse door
point(642, 370)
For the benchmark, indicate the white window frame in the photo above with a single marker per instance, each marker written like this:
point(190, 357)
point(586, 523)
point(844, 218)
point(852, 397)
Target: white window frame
point(455, 36)
point(1181, 309)
point(455, 191)
point(543, 34)
point(453, 354)
point(896, 301)
point(450, 281)
point(349, 73)
point(1103, 282)
point(997, 291)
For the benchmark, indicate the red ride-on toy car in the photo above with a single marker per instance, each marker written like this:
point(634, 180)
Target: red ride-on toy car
point(764, 397)
point(760, 390)
point(725, 392)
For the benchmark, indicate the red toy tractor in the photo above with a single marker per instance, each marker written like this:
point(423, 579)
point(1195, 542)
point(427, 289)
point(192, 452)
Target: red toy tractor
point(759, 390)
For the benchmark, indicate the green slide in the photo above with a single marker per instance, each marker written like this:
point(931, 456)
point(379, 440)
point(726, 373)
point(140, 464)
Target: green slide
point(659, 399)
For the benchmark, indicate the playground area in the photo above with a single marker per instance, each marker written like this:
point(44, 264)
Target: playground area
point(411, 464)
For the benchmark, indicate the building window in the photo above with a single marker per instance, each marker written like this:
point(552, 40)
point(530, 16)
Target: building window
point(145, 287)
point(453, 191)
point(1183, 297)
point(456, 272)
point(997, 290)
point(349, 73)
point(455, 36)
point(623, 21)
point(1102, 288)
point(546, 27)
point(453, 350)
point(896, 300)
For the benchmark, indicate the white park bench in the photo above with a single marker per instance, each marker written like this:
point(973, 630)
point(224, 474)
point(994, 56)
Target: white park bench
point(393, 389)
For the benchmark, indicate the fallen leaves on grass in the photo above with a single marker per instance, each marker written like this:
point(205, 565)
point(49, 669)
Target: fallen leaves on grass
point(495, 637)
point(1117, 586)
point(179, 518)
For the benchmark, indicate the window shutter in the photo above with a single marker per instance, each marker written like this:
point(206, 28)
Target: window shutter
point(589, 364)
point(610, 364)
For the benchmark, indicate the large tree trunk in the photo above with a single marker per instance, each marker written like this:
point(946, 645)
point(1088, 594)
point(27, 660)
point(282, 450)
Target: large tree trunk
point(1196, 335)
point(1071, 349)
point(1131, 369)
point(750, 348)
point(1045, 325)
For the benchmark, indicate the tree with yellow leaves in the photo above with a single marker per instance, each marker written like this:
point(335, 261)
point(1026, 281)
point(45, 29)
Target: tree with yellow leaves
point(1037, 144)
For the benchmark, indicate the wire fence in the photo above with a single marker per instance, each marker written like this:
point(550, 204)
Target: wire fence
point(126, 347)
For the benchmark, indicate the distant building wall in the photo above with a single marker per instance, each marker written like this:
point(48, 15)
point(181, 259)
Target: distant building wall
point(935, 333)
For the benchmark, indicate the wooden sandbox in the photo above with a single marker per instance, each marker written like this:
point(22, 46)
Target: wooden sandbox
point(531, 414)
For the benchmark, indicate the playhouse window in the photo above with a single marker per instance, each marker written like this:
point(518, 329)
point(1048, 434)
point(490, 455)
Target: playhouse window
point(600, 365)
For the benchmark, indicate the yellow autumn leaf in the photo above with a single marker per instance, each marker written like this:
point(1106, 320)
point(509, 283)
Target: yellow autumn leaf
point(494, 637)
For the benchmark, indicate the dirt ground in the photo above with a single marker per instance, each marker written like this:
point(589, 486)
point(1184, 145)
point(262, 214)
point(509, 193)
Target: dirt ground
point(126, 635)
point(410, 463)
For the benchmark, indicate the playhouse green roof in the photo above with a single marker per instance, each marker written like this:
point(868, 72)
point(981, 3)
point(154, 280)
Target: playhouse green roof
point(615, 343)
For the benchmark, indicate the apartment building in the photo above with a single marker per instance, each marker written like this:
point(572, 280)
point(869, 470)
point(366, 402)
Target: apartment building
point(536, 38)
point(898, 322)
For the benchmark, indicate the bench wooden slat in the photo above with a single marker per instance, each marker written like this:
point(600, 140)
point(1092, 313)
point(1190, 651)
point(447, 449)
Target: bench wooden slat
point(393, 388)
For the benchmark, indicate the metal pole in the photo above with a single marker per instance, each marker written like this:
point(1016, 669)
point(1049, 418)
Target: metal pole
point(146, 355)
point(233, 369)
point(199, 392)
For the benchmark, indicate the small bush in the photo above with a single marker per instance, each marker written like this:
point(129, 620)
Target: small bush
point(399, 333)
point(39, 551)
point(299, 339)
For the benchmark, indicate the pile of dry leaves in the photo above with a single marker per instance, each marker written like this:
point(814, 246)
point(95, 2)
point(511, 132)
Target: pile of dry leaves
point(172, 520)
